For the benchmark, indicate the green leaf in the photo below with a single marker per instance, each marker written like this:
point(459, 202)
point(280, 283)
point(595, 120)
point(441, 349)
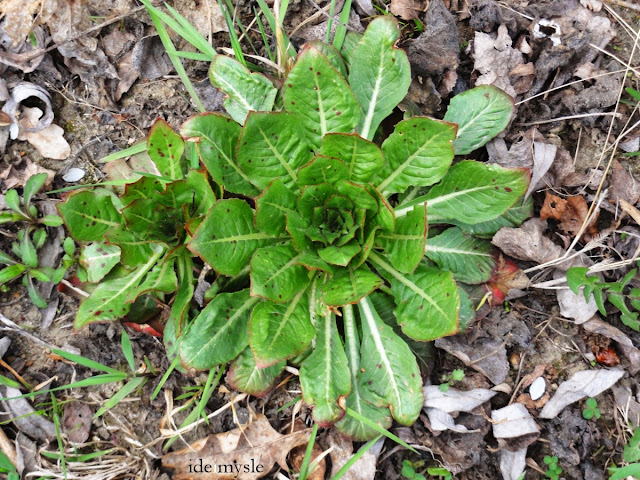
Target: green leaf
point(622, 473)
point(227, 239)
point(481, 113)
point(217, 137)
point(13, 271)
point(127, 350)
point(165, 147)
point(332, 55)
point(427, 301)
point(6, 259)
point(219, 333)
point(89, 215)
point(388, 368)
point(110, 300)
point(145, 188)
point(351, 41)
point(469, 259)
point(379, 74)
point(246, 91)
point(197, 184)
point(129, 387)
point(28, 251)
point(364, 158)
point(279, 331)
point(272, 206)
point(472, 192)
point(322, 169)
point(418, 152)
point(404, 247)
point(348, 285)
point(34, 294)
point(276, 273)
point(511, 218)
point(339, 255)
point(272, 145)
point(12, 200)
point(182, 299)
point(162, 278)
point(632, 449)
point(98, 259)
point(360, 398)
point(324, 375)
point(133, 249)
point(51, 220)
point(32, 186)
point(320, 95)
point(244, 375)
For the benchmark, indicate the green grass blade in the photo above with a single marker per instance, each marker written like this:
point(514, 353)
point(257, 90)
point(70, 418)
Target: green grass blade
point(265, 39)
point(364, 449)
point(332, 11)
point(7, 382)
point(271, 20)
point(288, 404)
point(341, 29)
point(76, 458)
point(379, 429)
point(128, 351)
point(85, 362)
point(164, 378)
point(307, 454)
point(194, 37)
point(128, 388)
point(233, 36)
point(56, 422)
point(127, 152)
point(193, 55)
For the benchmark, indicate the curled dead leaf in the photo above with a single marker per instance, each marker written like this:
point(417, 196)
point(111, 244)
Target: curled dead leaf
point(243, 453)
point(571, 213)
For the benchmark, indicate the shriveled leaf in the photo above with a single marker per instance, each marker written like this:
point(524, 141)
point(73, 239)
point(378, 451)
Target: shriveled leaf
point(278, 331)
point(404, 247)
point(217, 137)
point(324, 375)
point(89, 215)
point(98, 259)
point(472, 192)
point(364, 158)
point(276, 273)
point(587, 383)
point(111, 299)
point(468, 258)
point(427, 301)
point(320, 95)
point(246, 91)
point(271, 146)
point(379, 74)
point(219, 333)
point(165, 147)
point(226, 239)
point(349, 285)
point(389, 369)
point(452, 400)
point(481, 113)
point(418, 152)
point(244, 375)
point(240, 446)
point(272, 206)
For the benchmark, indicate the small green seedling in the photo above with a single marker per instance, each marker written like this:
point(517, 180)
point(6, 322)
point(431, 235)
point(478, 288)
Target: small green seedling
point(553, 469)
point(7, 467)
point(455, 376)
point(439, 472)
point(631, 456)
point(591, 409)
point(409, 471)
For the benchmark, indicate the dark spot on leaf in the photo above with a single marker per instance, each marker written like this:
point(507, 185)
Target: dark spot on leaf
point(496, 187)
point(507, 189)
point(289, 85)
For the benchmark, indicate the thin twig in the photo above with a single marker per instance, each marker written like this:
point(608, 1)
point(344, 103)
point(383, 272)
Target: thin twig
point(622, 3)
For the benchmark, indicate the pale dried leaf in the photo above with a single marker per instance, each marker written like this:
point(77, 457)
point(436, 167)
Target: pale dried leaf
point(512, 464)
point(623, 185)
point(527, 242)
point(364, 468)
point(595, 5)
point(543, 156)
point(49, 142)
point(76, 421)
point(454, 400)
point(441, 421)
point(587, 383)
point(405, 9)
point(17, 174)
point(574, 305)
point(495, 58)
point(241, 446)
point(627, 403)
point(20, 92)
point(513, 421)
point(485, 355)
point(24, 417)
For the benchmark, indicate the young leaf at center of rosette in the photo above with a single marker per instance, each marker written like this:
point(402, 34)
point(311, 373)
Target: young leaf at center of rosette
point(324, 375)
point(389, 370)
point(217, 138)
point(404, 247)
point(320, 95)
point(165, 147)
point(427, 300)
point(276, 273)
point(272, 145)
point(279, 331)
point(272, 207)
point(468, 258)
point(220, 332)
point(226, 239)
point(418, 152)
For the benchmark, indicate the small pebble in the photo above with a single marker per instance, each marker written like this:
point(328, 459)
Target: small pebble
point(537, 388)
point(73, 175)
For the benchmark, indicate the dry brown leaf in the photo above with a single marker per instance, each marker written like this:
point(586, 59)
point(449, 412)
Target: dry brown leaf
point(76, 421)
point(405, 9)
point(256, 447)
point(17, 174)
point(50, 142)
point(342, 451)
point(527, 242)
point(623, 185)
point(297, 456)
point(571, 213)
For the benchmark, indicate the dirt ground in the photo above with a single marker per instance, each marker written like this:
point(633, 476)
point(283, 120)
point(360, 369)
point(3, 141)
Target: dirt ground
point(531, 335)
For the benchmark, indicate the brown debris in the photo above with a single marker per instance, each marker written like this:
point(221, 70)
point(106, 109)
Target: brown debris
point(571, 213)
